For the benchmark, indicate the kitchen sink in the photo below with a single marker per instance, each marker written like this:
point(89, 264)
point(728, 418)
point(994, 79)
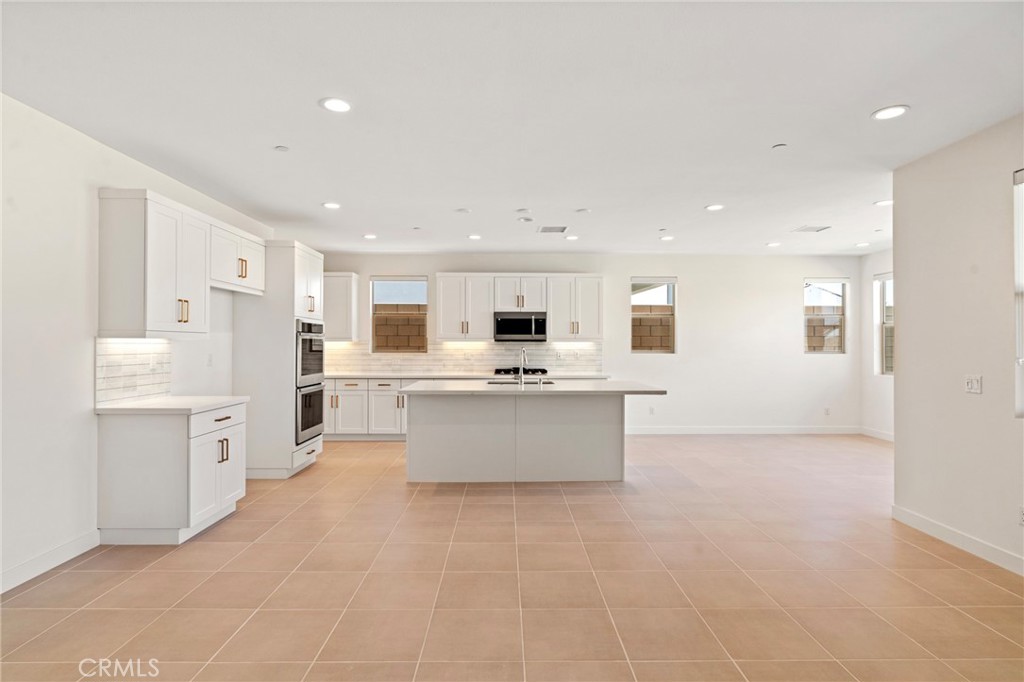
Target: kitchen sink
point(515, 382)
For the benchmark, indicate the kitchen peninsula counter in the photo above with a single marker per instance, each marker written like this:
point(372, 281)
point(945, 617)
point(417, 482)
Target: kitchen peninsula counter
point(473, 431)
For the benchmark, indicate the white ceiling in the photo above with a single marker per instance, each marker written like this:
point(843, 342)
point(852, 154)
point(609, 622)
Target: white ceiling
point(643, 113)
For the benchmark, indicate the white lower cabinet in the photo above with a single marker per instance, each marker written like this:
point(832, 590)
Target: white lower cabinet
point(385, 412)
point(163, 478)
point(345, 407)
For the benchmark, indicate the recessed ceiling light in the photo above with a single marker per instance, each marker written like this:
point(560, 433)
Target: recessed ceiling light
point(662, 229)
point(863, 244)
point(280, 148)
point(474, 236)
point(331, 205)
point(369, 236)
point(583, 210)
point(463, 210)
point(772, 245)
point(571, 238)
point(714, 207)
point(886, 113)
point(666, 238)
point(417, 228)
point(522, 210)
point(525, 219)
point(781, 145)
point(338, 106)
point(884, 202)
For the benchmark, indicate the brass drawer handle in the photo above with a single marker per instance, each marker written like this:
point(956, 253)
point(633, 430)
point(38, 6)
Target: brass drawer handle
point(222, 419)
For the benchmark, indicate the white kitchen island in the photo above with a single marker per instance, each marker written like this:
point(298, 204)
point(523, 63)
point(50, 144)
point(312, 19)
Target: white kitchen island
point(475, 431)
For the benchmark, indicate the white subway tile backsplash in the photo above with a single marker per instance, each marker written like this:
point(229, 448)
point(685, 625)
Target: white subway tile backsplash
point(469, 357)
point(132, 368)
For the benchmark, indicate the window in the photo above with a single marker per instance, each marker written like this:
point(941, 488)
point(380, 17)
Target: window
point(886, 323)
point(399, 314)
point(653, 302)
point(825, 316)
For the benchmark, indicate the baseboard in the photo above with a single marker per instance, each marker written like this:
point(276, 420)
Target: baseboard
point(968, 543)
point(27, 570)
point(375, 437)
point(880, 435)
point(741, 430)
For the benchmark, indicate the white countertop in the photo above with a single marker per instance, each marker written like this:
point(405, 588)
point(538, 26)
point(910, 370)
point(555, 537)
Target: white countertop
point(576, 387)
point(450, 375)
point(173, 404)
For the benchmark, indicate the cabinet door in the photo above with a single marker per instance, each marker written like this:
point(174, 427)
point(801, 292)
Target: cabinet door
point(385, 415)
point(350, 415)
point(224, 255)
point(330, 397)
point(339, 307)
point(506, 294)
point(192, 267)
point(560, 295)
point(315, 286)
point(588, 308)
point(231, 479)
point(533, 290)
point(203, 453)
point(255, 256)
point(303, 305)
point(451, 304)
point(479, 311)
point(163, 310)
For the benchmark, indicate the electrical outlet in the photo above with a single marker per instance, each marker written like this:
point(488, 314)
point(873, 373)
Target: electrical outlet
point(559, 355)
point(828, 411)
point(576, 355)
point(651, 409)
point(209, 360)
point(1022, 515)
point(972, 383)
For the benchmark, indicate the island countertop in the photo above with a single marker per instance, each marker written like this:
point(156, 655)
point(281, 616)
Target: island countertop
point(572, 387)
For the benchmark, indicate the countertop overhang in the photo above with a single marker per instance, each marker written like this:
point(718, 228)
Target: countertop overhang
point(172, 404)
point(573, 387)
point(453, 375)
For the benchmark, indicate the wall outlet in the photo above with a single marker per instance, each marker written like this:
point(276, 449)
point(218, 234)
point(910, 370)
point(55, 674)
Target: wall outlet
point(576, 355)
point(559, 355)
point(1022, 515)
point(972, 383)
point(651, 410)
point(828, 411)
point(209, 360)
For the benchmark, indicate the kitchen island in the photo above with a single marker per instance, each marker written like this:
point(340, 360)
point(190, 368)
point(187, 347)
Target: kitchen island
point(477, 431)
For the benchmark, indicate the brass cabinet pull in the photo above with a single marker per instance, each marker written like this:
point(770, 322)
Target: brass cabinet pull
point(227, 449)
point(245, 268)
point(181, 310)
point(398, 401)
point(220, 454)
point(241, 268)
point(351, 384)
point(222, 419)
point(188, 311)
point(312, 304)
point(310, 452)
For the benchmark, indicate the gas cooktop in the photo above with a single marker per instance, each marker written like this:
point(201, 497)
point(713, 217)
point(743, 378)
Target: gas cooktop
point(528, 371)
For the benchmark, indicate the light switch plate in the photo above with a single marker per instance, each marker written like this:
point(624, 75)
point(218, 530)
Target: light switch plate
point(972, 383)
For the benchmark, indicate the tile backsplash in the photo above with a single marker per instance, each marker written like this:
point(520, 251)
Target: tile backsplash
point(132, 368)
point(465, 357)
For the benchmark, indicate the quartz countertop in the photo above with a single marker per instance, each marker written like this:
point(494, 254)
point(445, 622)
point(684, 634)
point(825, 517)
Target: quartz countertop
point(172, 404)
point(575, 387)
point(453, 375)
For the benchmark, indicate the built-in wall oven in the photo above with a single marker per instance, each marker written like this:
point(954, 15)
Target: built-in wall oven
point(309, 353)
point(309, 413)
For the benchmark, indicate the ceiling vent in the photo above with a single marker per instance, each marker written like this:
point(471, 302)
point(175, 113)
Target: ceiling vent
point(553, 229)
point(813, 228)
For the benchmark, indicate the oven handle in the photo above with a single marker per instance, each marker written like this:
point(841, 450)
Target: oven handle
point(308, 335)
point(311, 389)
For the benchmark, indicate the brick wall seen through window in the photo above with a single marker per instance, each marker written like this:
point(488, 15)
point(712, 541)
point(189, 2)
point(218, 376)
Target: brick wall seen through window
point(824, 316)
point(399, 315)
point(653, 306)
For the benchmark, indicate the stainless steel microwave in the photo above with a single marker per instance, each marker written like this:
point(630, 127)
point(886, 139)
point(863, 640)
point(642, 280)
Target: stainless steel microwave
point(521, 326)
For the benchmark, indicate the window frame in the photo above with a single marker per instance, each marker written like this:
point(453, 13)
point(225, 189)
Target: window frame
point(880, 281)
point(674, 282)
point(399, 278)
point(845, 281)
point(1018, 271)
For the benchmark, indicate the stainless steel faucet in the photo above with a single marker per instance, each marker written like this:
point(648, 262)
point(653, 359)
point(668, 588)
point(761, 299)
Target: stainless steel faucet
point(523, 360)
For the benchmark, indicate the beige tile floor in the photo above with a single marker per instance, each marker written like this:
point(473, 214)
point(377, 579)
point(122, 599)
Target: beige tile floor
point(719, 558)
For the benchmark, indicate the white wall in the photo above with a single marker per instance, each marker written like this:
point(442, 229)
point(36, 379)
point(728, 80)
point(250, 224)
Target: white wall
point(740, 366)
point(203, 366)
point(876, 389)
point(959, 457)
point(51, 174)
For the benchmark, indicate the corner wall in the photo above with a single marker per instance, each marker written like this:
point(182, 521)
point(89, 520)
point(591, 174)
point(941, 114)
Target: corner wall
point(959, 457)
point(51, 176)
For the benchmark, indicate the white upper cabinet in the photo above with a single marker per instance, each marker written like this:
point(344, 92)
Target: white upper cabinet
point(575, 304)
point(309, 283)
point(465, 307)
point(340, 307)
point(154, 260)
point(513, 292)
point(237, 260)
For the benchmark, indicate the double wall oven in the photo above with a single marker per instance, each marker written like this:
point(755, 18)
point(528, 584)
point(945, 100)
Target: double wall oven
point(309, 381)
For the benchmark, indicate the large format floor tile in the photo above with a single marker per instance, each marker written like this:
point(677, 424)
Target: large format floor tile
point(718, 559)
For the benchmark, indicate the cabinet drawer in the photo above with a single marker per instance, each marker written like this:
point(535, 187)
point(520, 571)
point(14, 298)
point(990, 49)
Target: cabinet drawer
point(307, 452)
point(205, 422)
point(385, 384)
point(350, 384)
